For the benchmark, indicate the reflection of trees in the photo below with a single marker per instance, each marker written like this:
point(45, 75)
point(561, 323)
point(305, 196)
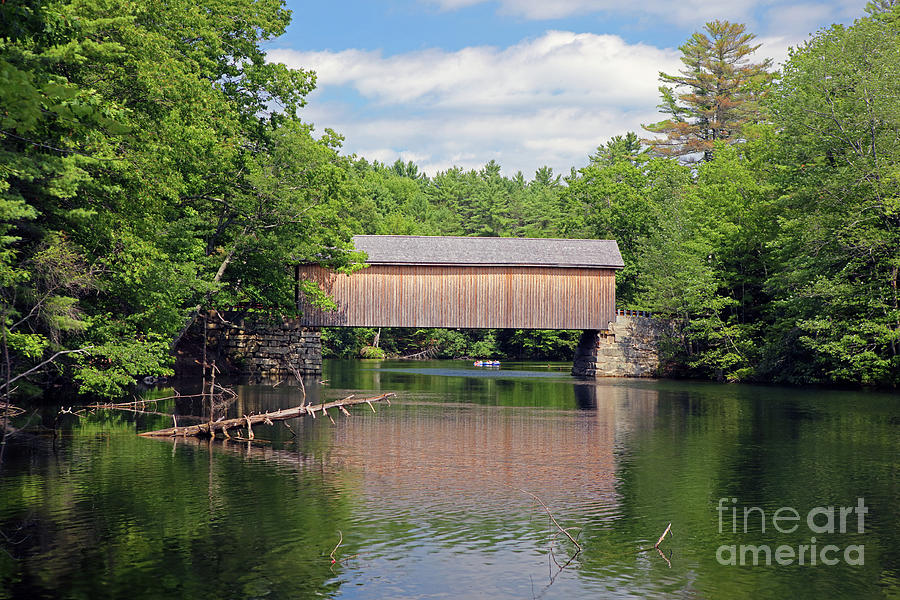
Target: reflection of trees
point(114, 516)
point(768, 447)
point(454, 381)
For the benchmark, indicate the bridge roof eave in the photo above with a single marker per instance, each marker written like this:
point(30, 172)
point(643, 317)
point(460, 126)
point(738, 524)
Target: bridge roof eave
point(498, 264)
point(485, 251)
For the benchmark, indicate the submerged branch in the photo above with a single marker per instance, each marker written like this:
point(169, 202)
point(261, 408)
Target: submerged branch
point(655, 546)
point(340, 541)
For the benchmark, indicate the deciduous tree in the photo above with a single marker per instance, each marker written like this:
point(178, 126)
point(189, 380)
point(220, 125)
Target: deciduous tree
point(165, 147)
point(837, 109)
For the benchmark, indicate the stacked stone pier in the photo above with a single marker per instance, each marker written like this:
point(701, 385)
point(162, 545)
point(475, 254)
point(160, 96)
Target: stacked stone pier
point(628, 348)
point(265, 347)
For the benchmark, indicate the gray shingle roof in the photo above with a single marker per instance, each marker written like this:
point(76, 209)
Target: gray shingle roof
point(543, 252)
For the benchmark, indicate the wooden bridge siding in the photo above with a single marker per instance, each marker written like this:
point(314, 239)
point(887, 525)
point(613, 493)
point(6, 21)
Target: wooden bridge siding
point(466, 297)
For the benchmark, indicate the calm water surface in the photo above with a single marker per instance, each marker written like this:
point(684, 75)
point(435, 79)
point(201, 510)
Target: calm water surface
point(431, 497)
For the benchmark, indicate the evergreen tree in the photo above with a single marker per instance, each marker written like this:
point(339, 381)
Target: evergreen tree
point(714, 96)
point(619, 148)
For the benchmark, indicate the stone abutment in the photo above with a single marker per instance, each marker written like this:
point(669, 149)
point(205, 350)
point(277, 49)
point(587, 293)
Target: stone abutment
point(630, 347)
point(260, 347)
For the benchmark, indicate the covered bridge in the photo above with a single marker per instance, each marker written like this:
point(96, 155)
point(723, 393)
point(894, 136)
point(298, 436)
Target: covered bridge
point(471, 282)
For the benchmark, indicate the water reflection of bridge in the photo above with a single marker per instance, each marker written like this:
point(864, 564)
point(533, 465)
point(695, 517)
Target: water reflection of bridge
point(447, 456)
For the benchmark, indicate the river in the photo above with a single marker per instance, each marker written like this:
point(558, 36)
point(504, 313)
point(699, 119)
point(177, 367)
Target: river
point(448, 492)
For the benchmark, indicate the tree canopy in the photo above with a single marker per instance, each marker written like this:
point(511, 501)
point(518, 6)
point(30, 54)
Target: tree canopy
point(152, 163)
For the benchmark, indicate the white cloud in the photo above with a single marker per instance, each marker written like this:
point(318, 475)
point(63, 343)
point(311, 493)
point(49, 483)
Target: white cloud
point(684, 12)
point(546, 100)
point(797, 18)
point(554, 68)
point(549, 100)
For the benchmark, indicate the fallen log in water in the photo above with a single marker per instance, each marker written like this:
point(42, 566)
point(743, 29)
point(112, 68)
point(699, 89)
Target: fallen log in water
point(210, 429)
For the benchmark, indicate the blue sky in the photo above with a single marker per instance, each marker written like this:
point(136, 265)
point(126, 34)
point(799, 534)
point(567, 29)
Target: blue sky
point(523, 82)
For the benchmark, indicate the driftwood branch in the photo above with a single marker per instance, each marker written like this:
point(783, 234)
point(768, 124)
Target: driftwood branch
point(340, 541)
point(552, 518)
point(137, 411)
point(139, 406)
point(10, 410)
point(299, 377)
point(210, 429)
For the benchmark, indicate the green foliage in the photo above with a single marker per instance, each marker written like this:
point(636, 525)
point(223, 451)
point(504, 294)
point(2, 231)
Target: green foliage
point(138, 146)
point(540, 344)
point(620, 149)
point(703, 266)
point(838, 111)
point(529, 344)
point(448, 343)
point(111, 367)
point(372, 352)
point(345, 342)
point(780, 262)
point(455, 202)
point(619, 196)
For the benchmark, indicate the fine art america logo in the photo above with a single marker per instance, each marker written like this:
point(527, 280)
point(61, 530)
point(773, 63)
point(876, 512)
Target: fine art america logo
point(787, 520)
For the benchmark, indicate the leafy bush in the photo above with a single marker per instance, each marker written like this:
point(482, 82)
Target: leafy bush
point(372, 352)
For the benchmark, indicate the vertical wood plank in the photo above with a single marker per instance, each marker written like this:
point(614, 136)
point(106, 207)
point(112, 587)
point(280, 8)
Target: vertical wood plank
point(465, 297)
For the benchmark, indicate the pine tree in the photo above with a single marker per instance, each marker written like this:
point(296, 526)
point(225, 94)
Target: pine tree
point(714, 96)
